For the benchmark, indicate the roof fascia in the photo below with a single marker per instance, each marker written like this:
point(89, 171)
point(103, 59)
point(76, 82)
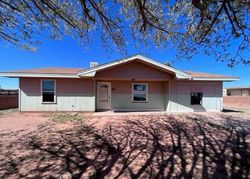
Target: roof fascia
point(216, 79)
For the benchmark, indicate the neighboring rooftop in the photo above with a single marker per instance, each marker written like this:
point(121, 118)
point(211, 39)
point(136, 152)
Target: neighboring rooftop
point(8, 92)
point(239, 87)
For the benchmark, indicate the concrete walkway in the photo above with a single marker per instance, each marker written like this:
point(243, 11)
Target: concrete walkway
point(113, 113)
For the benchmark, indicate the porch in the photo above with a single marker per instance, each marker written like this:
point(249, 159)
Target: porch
point(131, 95)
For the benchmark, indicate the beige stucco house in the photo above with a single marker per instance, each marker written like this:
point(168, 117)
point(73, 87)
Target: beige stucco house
point(135, 83)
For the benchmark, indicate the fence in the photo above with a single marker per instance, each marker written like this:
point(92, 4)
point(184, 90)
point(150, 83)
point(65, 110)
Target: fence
point(8, 99)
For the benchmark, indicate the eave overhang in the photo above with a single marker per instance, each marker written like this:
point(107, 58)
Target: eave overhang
point(226, 79)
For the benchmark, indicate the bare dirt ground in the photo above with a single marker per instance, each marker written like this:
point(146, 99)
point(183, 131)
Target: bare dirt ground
point(242, 102)
point(124, 146)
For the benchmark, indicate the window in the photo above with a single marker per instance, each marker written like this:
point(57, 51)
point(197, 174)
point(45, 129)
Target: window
point(48, 91)
point(139, 92)
point(196, 98)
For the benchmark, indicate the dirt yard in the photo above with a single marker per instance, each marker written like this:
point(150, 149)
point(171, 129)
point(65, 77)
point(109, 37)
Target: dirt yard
point(242, 102)
point(143, 145)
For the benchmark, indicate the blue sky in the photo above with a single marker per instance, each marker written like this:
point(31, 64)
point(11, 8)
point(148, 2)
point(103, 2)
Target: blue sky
point(68, 53)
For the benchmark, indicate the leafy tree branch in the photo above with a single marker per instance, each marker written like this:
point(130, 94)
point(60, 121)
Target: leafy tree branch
point(209, 26)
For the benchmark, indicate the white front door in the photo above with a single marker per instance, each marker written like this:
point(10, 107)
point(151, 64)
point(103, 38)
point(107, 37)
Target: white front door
point(103, 96)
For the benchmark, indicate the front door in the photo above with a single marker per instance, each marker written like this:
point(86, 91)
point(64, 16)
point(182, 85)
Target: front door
point(103, 96)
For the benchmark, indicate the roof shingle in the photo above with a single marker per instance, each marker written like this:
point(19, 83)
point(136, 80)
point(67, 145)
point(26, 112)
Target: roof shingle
point(207, 75)
point(61, 70)
point(51, 70)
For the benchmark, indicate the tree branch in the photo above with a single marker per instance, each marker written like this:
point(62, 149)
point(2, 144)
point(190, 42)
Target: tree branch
point(9, 5)
point(213, 21)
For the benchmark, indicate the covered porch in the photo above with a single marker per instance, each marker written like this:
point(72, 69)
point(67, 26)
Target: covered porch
point(132, 86)
point(127, 95)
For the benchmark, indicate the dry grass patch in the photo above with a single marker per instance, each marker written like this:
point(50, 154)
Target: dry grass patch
point(7, 111)
point(64, 117)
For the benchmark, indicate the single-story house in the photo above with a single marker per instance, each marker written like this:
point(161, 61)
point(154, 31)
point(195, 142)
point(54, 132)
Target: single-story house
point(238, 91)
point(135, 83)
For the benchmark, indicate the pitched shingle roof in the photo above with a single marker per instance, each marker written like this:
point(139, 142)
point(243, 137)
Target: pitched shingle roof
point(207, 75)
point(238, 87)
point(61, 70)
point(51, 70)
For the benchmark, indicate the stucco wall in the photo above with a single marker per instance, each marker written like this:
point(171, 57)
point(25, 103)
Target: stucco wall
point(245, 92)
point(133, 70)
point(235, 92)
point(180, 96)
point(121, 96)
point(239, 92)
point(72, 95)
point(78, 95)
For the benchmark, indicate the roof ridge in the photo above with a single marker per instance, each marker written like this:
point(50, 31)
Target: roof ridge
point(119, 59)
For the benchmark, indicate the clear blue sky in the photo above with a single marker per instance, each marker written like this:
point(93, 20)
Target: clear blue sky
point(68, 53)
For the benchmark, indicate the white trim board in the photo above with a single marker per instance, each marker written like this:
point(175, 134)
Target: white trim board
point(215, 79)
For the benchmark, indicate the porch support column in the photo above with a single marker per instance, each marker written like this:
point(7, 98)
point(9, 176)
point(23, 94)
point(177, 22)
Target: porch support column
point(94, 81)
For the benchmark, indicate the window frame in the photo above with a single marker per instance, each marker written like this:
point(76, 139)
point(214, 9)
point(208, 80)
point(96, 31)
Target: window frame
point(139, 92)
point(201, 101)
point(55, 96)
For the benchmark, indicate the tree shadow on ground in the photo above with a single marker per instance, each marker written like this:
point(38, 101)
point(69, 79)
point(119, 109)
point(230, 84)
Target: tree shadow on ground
point(143, 147)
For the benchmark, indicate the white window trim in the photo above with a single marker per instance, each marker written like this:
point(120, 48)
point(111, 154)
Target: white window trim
point(55, 99)
point(139, 92)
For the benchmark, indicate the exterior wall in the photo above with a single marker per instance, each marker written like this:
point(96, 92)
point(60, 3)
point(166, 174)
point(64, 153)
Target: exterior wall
point(121, 96)
point(133, 70)
point(245, 92)
point(71, 95)
point(235, 92)
point(180, 96)
point(239, 92)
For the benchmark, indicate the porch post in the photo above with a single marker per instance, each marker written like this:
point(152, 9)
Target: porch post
point(94, 80)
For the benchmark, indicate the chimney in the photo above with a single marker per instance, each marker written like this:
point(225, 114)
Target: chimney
point(93, 64)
